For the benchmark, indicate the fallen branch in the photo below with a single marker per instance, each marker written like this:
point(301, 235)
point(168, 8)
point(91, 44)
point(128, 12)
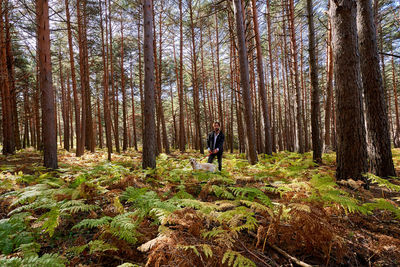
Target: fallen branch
point(297, 261)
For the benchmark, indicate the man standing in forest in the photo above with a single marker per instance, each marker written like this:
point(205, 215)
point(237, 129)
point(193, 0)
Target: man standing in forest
point(215, 144)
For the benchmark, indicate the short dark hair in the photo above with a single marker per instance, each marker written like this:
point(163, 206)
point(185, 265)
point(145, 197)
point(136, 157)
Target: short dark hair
point(217, 122)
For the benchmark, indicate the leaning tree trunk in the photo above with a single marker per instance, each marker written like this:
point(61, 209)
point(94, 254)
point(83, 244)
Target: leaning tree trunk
point(245, 82)
point(48, 115)
point(315, 109)
point(351, 154)
point(380, 154)
point(149, 140)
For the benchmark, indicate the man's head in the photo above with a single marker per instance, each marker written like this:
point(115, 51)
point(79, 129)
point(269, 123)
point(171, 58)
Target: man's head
point(217, 126)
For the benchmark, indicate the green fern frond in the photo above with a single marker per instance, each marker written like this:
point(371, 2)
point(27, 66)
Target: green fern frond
point(50, 220)
point(250, 193)
point(257, 206)
point(48, 260)
point(93, 223)
point(75, 206)
point(100, 246)
point(381, 182)
point(383, 204)
point(204, 207)
point(221, 192)
point(124, 227)
point(235, 259)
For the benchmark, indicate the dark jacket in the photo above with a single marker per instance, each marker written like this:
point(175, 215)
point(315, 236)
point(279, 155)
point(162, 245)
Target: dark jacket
point(219, 143)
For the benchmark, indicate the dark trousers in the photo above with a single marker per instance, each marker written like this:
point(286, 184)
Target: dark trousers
point(219, 156)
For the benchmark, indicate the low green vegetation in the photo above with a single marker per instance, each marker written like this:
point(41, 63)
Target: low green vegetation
point(95, 212)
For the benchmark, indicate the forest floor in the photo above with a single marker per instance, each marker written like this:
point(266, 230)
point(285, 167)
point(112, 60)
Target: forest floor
point(283, 211)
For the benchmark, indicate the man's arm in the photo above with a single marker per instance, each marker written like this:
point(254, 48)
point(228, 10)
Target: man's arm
point(221, 143)
point(208, 143)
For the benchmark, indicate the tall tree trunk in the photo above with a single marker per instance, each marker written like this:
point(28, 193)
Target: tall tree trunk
point(125, 130)
point(162, 117)
point(315, 109)
point(106, 110)
point(380, 154)
point(182, 140)
point(11, 78)
point(351, 154)
point(6, 105)
point(149, 142)
point(64, 106)
point(196, 94)
point(261, 85)
point(48, 128)
point(244, 78)
point(114, 90)
point(329, 86)
point(73, 77)
point(270, 52)
point(133, 112)
point(300, 132)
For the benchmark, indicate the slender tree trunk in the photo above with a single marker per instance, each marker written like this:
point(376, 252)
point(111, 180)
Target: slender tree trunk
point(261, 85)
point(182, 140)
point(196, 94)
point(114, 91)
point(351, 143)
point(106, 110)
point(133, 112)
point(162, 118)
point(149, 149)
point(73, 77)
point(244, 78)
point(64, 106)
point(315, 108)
point(329, 86)
point(48, 128)
point(380, 154)
point(125, 130)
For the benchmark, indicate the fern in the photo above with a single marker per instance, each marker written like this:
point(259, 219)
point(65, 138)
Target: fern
point(75, 206)
point(382, 182)
point(124, 227)
point(383, 204)
point(235, 259)
point(100, 246)
point(251, 193)
point(93, 223)
point(221, 192)
point(324, 191)
point(48, 260)
point(206, 249)
point(13, 233)
point(50, 220)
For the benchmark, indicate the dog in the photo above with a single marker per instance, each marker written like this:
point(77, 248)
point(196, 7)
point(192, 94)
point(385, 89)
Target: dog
point(203, 166)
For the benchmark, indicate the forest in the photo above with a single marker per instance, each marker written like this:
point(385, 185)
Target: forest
point(115, 114)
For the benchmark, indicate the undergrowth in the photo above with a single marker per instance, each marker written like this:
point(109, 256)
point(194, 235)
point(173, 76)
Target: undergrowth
point(97, 212)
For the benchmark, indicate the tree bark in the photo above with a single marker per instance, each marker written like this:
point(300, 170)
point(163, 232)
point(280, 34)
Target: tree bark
point(182, 140)
point(315, 108)
point(125, 130)
point(6, 105)
point(261, 85)
point(106, 101)
point(244, 78)
point(351, 154)
point(149, 142)
point(379, 150)
point(48, 128)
